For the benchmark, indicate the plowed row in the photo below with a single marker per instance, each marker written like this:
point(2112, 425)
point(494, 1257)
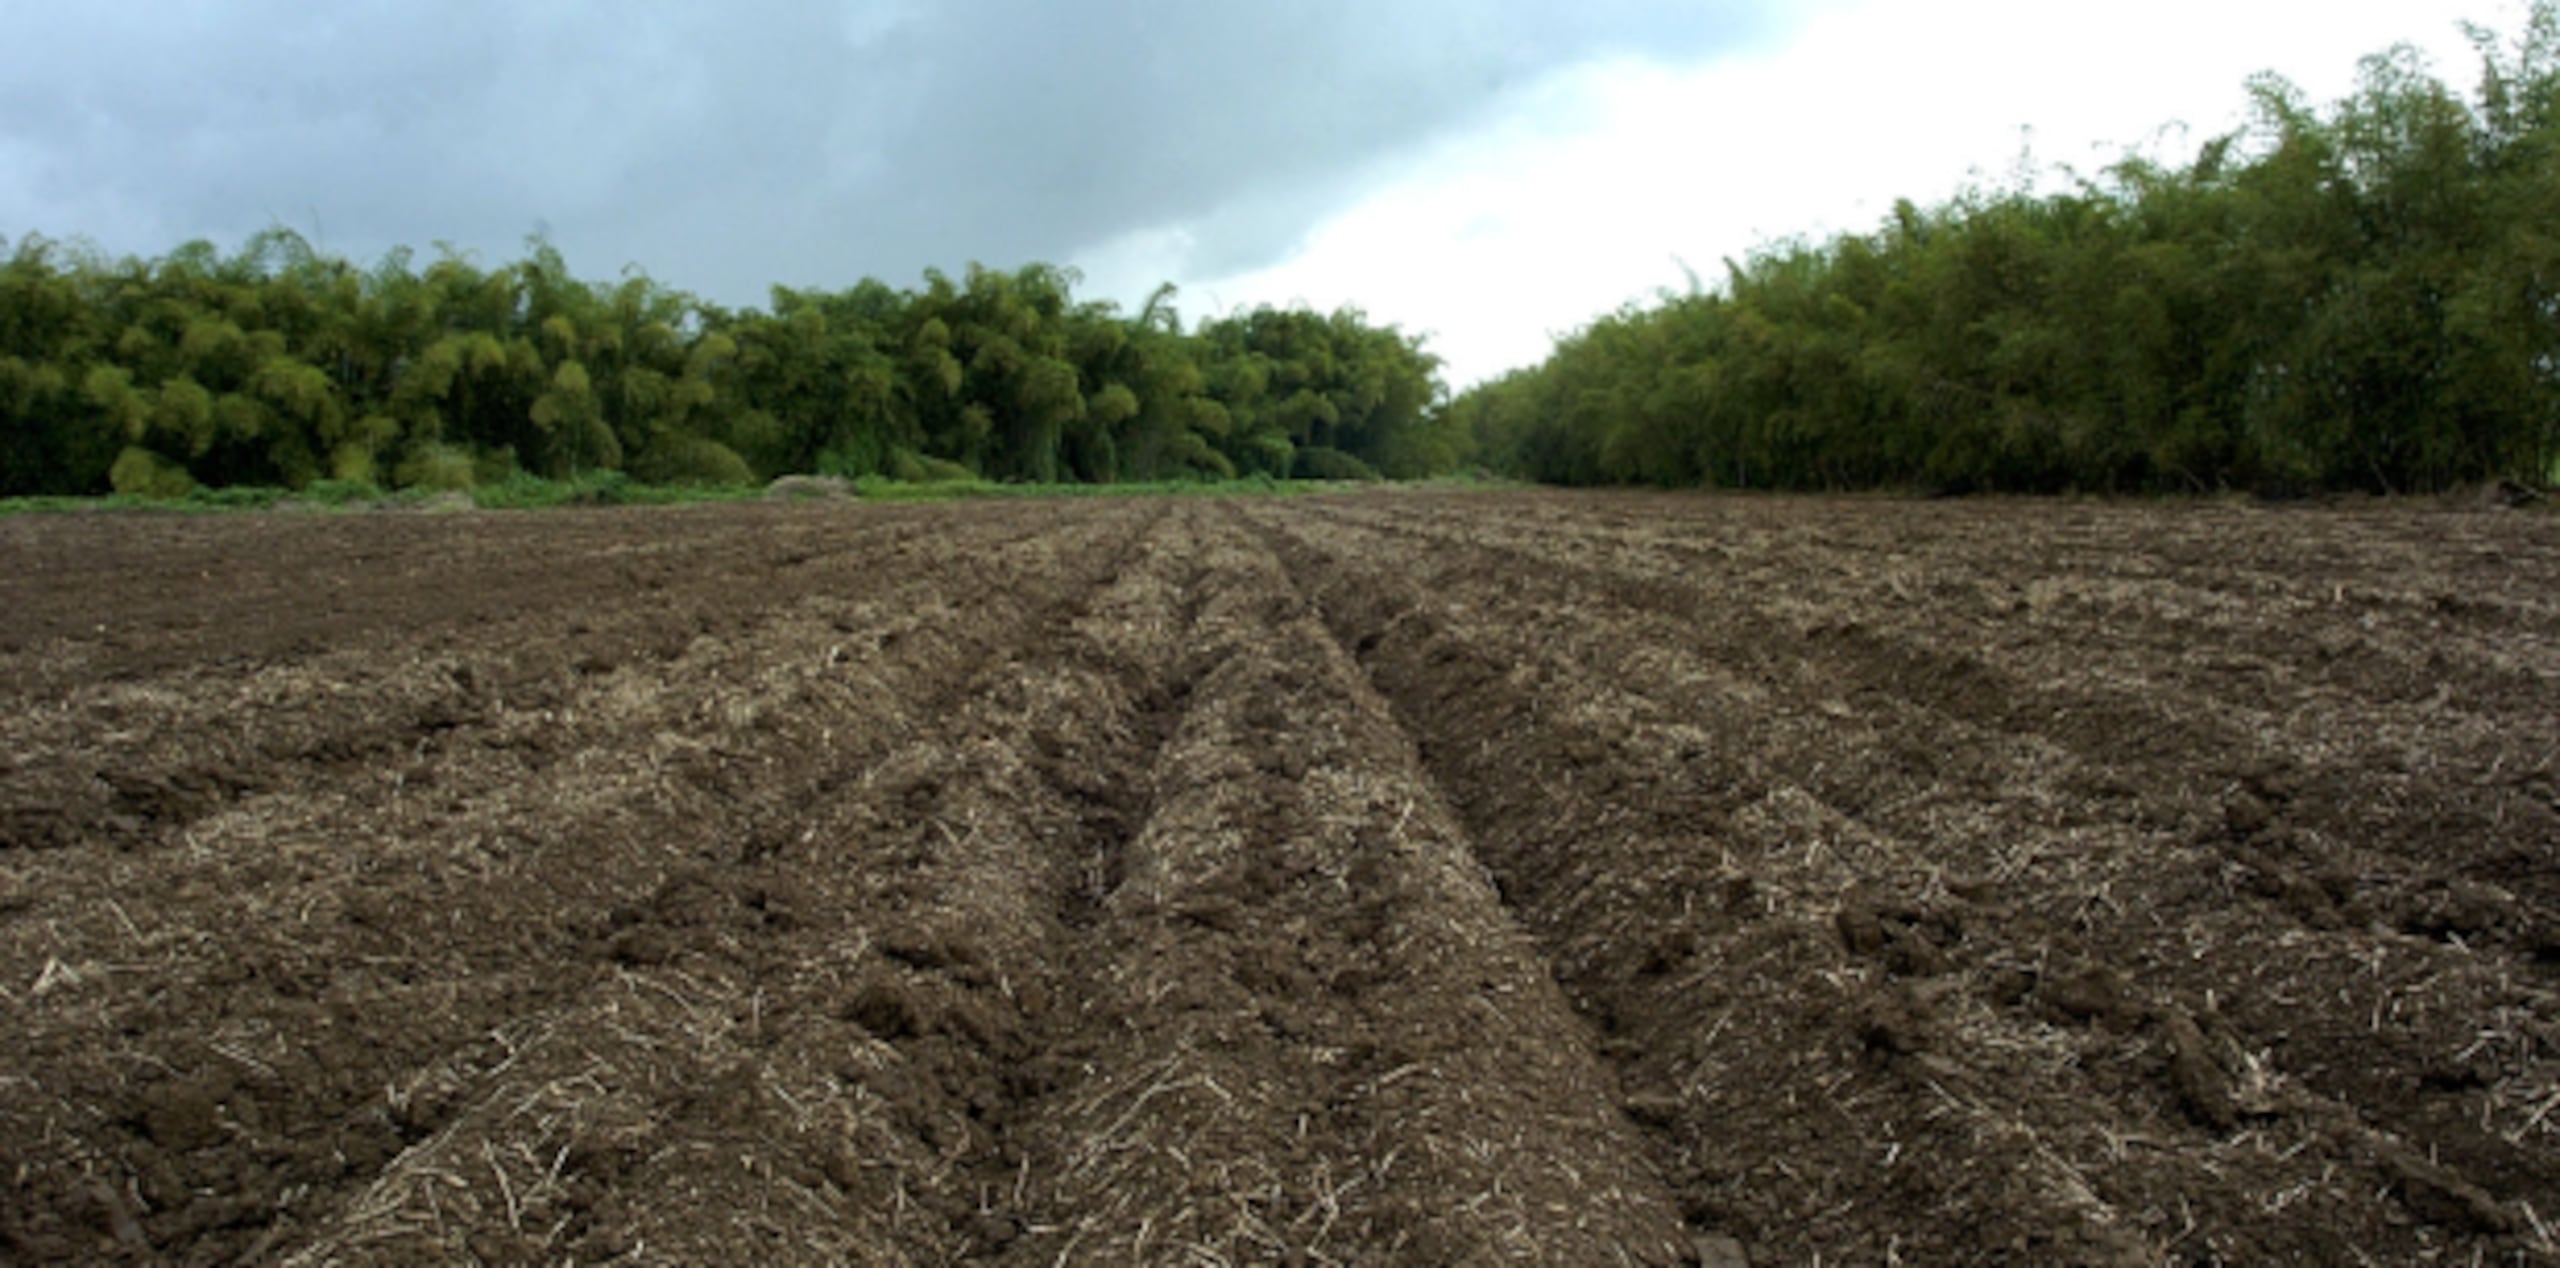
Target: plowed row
point(1408, 879)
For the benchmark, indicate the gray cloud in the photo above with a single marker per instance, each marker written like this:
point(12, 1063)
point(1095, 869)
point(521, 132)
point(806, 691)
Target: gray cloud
point(727, 147)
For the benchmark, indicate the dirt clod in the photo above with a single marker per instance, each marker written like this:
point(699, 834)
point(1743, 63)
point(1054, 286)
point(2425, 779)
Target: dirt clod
point(2438, 1195)
point(1895, 1022)
point(2203, 1088)
point(2090, 992)
point(1715, 1250)
point(886, 1010)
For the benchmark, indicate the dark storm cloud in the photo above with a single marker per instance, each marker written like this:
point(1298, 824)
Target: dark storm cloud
point(728, 146)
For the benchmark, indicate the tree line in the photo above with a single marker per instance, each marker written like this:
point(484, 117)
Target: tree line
point(2361, 296)
point(2365, 296)
point(279, 365)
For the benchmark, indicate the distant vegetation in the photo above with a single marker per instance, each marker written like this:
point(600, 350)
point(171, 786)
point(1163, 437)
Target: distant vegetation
point(2366, 297)
point(279, 366)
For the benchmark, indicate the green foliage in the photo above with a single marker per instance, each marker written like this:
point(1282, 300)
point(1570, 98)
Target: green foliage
point(880, 489)
point(238, 497)
point(441, 468)
point(1285, 381)
point(676, 458)
point(2362, 298)
point(340, 492)
point(520, 491)
point(279, 367)
point(1318, 462)
point(138, 472)
point(523, 491)
point(908, 467)
point(905, 467)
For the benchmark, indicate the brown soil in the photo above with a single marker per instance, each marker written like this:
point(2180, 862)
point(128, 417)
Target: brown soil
point(1396, 879)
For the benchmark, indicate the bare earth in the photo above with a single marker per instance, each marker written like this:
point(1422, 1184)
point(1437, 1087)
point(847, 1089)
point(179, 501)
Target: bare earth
point(1404, 879)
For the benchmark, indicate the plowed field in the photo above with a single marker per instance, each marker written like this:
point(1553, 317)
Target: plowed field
point(1402, 879)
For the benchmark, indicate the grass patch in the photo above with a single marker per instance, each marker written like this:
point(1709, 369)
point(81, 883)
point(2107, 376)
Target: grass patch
point(521, 492)
point(198, 500)
point(882, 489)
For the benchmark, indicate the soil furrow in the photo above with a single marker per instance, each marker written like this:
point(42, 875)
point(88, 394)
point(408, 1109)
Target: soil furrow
point(1575, 798)
point(133, 764)
point(187, 592)
point(481, 902)
point(1306, 1031)
point(1415, 878)
point(2358, 806)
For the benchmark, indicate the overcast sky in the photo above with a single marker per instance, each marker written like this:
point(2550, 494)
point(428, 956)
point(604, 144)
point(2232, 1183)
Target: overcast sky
point(1491, 172)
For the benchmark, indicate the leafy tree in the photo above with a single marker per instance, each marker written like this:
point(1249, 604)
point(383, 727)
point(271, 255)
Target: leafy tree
point(2366, 296)
point(279, 365)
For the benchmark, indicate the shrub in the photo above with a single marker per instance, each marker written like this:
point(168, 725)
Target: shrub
point(598, 488)
point(909, 467)
point(142, 473)
point(675, 458)
point(438, 467)
point(1319, 463)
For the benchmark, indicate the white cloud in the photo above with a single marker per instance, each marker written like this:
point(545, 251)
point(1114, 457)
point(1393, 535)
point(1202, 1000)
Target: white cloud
point(1611, 174)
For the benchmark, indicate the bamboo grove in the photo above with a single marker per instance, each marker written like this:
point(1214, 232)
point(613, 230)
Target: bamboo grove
point(2361, 297)
point(277, 365)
